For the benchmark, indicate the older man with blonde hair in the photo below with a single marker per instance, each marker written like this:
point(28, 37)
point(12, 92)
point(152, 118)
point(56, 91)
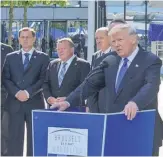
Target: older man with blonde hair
point(64, 74)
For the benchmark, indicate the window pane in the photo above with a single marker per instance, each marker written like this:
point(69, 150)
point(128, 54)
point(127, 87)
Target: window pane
point(155, 11)
point(76, 27)
point(84, 3)
point(114, 8)
point(135, 10)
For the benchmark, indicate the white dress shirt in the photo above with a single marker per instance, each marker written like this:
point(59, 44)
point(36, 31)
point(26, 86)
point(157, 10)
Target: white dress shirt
point(30, 54)
point(106, 51)
point(130, 59)
point(67, 65)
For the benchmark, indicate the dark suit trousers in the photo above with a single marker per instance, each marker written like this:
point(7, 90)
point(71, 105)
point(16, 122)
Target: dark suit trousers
point(4, 123)
point(155, 151)
point(16, 131)
point(4, 133)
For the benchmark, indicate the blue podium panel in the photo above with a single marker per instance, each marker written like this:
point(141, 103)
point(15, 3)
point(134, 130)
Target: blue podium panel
point(63, 133)
point(130, 138)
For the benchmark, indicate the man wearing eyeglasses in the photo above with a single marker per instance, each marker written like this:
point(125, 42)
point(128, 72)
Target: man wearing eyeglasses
point(23, 76)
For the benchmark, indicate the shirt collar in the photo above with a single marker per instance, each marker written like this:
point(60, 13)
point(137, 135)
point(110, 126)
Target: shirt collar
point(30, 52)
point(133, 54)
point(69, 60)
point(107, 50)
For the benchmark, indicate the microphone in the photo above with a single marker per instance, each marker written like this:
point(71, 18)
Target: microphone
point(108, 61)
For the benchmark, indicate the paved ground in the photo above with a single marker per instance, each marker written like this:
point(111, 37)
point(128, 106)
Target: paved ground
point(160, 100)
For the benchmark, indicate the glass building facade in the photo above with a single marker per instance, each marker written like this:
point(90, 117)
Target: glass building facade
point(146, 16)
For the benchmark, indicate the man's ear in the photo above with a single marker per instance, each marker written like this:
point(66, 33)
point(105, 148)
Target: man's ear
point(34, 39)
point(134, 39)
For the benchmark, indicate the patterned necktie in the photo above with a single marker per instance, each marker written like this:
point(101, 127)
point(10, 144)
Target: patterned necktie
point(62, 73)
point(26, 60)
point(121, 73)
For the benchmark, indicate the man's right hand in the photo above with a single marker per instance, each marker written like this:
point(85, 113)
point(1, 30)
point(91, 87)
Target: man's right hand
point(51, 100)
point(22, 96)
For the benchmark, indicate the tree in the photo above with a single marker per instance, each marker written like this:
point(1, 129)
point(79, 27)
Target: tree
point(11, 4)
point(31, 3)
point(25, 5)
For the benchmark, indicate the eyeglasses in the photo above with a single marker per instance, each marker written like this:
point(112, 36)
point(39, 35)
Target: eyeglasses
point(26, 37)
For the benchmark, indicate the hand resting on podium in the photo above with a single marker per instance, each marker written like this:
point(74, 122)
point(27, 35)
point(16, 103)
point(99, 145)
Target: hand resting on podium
point(130, 109)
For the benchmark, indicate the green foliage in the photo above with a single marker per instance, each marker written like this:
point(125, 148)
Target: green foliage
point(25, 4)
point(30, 3)
point(62, 3)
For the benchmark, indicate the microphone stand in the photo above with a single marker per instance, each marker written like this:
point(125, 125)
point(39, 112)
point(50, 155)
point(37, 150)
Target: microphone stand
point(92, 73)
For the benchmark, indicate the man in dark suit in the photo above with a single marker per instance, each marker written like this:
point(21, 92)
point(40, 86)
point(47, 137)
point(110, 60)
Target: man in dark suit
point(103, 41)
point(23, 76)
point(64, 74)
point(5, 49)
point(97, 102)
point(132, 80)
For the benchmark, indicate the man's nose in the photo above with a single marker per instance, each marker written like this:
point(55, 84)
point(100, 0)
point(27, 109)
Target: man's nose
point(116, 43)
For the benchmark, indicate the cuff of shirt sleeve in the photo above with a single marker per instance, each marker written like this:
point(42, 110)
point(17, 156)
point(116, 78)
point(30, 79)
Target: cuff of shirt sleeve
point(17, 93)
point(68, 103)
point(48, 98)
point(27, 93)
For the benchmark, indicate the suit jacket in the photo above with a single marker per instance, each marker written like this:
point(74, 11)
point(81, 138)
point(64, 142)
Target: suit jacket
point(74, 76)
point(140, 84)
point(94, 57)
point(5, 49)
point(97, 102)
point(31, 80)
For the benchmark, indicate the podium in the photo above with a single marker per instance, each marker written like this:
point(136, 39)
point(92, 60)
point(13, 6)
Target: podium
point(87, 134)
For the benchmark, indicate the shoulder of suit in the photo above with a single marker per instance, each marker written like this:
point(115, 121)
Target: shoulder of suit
point(55, 61)
point(97, 52)
point(41, 53)
point(13, 53)
point(5, 45)
point(151, 56)
point(80, 60)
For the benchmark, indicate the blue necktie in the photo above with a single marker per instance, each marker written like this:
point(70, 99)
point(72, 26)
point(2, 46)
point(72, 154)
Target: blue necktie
point(26, 60)
point(121, 73)
point(62, 73)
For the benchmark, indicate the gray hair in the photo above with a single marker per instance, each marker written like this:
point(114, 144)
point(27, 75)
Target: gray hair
point(103, 29)
point(131, 29)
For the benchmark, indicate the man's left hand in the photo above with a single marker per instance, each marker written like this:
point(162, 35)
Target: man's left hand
point(130, 110)
point(62, 106)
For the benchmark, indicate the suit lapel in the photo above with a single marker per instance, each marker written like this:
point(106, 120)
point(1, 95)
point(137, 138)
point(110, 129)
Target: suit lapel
point(20, 61)
point(112, 76)
point(98, 54)
point(131, 71)
point(57, 72)
point(100, 58)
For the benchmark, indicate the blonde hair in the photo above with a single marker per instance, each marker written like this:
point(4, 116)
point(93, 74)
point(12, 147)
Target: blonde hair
point(71, 43)
point(103, 29)
point(131, 29)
